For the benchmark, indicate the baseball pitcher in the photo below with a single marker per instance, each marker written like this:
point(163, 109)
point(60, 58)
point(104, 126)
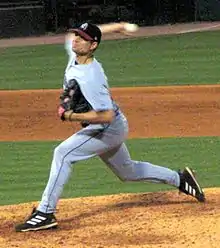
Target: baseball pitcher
point(86, 99)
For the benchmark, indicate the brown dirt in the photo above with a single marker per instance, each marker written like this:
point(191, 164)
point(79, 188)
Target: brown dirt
point(152, 220)
point(156, 112)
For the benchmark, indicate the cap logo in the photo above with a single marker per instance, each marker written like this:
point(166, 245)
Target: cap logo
point(84, 26)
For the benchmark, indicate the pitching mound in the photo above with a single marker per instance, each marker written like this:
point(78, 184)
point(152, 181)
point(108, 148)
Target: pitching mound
point(163, 219)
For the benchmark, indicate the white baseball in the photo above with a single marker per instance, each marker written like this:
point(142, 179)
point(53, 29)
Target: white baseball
point(130, 27)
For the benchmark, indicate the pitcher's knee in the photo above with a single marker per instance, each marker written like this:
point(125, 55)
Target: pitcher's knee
point(57, 151)
point(61, 153)
point(125, 171)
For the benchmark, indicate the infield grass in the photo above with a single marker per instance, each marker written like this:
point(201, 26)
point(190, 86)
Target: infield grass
point(25, 167)
point(182, 59)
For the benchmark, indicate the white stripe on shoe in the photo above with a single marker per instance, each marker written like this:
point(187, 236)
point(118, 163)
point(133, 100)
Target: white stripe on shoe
point(186, 186)
point(194, 179)
point(40, 217)
point(194, 192)
point(36, 220)
point(31, 222)
point(190, 189)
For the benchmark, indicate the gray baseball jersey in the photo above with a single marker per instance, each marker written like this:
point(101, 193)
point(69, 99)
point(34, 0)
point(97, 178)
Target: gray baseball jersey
point(103, 140)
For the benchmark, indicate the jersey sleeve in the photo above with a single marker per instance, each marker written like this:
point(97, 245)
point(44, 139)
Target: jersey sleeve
point(97, 95)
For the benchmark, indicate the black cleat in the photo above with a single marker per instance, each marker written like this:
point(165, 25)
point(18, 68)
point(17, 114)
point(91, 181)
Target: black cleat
point(37, 221)
point(190, 186)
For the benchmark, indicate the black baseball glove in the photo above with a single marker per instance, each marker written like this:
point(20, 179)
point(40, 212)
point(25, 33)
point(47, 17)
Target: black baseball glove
point(73, 99)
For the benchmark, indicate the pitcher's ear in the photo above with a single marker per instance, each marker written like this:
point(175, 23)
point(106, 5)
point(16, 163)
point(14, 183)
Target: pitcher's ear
point(94, 45)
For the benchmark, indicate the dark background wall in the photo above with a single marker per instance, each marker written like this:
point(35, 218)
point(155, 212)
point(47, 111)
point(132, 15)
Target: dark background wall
point(144, 12)
point(36, 17)
point(21, 18)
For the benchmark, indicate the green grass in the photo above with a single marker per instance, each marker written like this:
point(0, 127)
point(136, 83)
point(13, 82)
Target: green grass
point(176, 59)
point(25, 167)
point(183, 59)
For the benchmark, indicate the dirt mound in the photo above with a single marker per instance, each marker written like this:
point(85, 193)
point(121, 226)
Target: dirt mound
point(163, 219)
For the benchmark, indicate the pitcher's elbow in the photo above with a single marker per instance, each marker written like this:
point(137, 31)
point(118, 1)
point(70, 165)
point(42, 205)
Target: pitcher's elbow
point(109, 116)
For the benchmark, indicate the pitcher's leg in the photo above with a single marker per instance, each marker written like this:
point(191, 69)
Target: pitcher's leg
point(81, 146)
point(126, 169)
point(59, 174)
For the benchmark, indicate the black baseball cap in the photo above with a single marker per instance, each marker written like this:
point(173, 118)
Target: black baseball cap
point(89, 31)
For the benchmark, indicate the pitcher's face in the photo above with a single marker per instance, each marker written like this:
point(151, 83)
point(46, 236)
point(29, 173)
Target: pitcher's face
point(81, 46)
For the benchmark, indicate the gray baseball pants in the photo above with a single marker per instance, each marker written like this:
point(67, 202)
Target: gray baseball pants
point(107, 142)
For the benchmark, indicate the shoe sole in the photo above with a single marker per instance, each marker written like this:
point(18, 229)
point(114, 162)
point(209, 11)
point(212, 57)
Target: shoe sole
point(46, 227)
point(202, 199)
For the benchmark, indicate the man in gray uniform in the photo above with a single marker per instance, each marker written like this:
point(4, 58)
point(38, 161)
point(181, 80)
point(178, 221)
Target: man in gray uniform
point(105, 128)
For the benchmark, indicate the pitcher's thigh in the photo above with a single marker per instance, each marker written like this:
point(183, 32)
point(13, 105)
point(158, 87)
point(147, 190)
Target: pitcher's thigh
point(83, 145)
